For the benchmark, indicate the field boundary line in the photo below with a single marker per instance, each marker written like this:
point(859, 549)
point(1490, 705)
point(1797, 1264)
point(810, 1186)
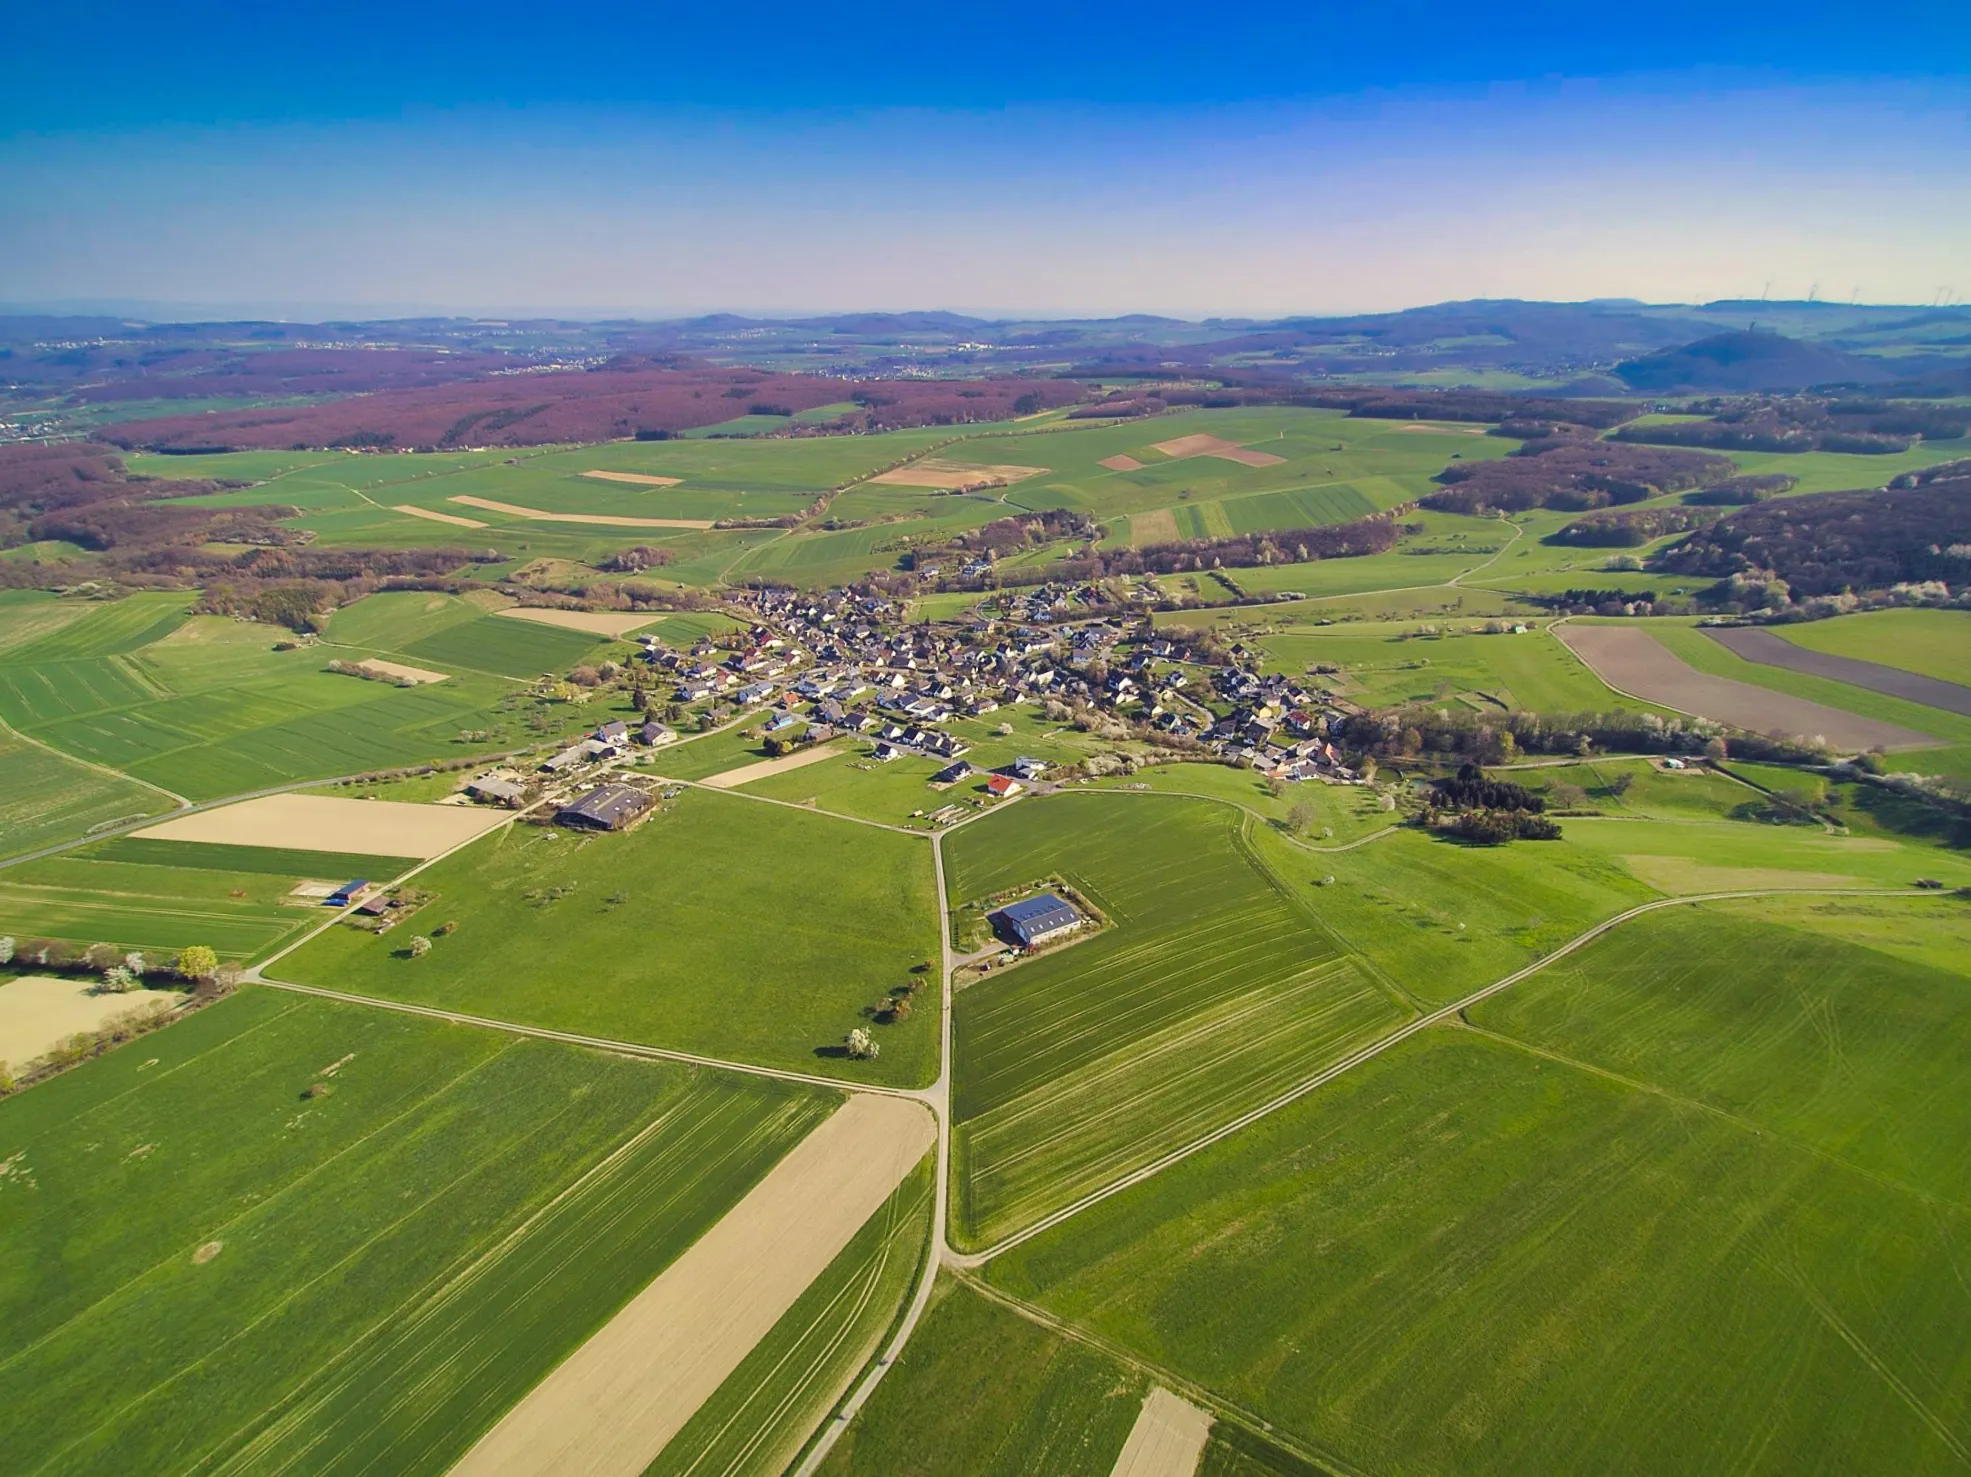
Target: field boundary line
point(9, 729)
point(789, 804)
point(938, 1098)
point(972, 1260)
point(598, 1043)
point(1178, 1384)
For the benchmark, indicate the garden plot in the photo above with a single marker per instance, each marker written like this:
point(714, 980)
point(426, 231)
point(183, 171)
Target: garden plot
point(329, 823)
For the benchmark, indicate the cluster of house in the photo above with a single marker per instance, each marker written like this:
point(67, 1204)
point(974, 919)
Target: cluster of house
point(611, 741)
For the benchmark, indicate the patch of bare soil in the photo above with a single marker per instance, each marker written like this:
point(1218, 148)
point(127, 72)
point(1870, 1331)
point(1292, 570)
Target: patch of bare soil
point(1631, 660)
point(1444, 430)
point(595, 622)
point(1773, 650)
point(609, 1409)
point(607, 520)
point(1121, 462)
point(732, 779)
point(207, 1252)
point(1156, 527)
point(1168, 1439)
point(950, 476)
point(331, 823)
point(39, 1012)
point(637, 479)
point(436, 517)
point(1204, 445)
point(398, 669)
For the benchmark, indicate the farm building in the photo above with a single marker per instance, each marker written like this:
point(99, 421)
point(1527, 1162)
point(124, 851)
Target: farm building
point(1003, 784)
point(1036, 920)
point(608, 807)
point(496, 791)
point(346, 894)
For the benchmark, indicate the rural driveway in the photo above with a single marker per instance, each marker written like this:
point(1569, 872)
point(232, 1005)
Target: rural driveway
point(1772, 650)
point(1633, 662)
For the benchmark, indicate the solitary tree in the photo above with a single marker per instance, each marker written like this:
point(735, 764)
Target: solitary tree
point(420, 946)
point(1301, 817)
point(197, 962)
point(6, 948)
point(861, 1045)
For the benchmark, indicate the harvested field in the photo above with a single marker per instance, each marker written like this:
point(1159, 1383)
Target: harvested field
point(1444, 430)
point(1203, 444)
point(596, 622)
point(948, 476)
point(612, 1406)
point(746, 773)
point(607, 520)
point(436, 517)
point(1167, 1440)
point(328, 823)
point(1632, 661)
point(1773, 650)
point(38, 1013)
point(635, 479)
point(398, 669)
point(1121, 462)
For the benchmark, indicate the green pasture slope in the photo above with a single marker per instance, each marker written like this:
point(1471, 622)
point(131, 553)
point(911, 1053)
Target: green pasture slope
point(1213, 990)
point(204, 706)
point(276, 861)
point(719, 926)
point(981, 1392)
point(208, 1270)
point(1693, 1201)
point(781, 1392)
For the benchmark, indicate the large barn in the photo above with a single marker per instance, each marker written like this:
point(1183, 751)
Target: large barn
point(1037, 920)
point(607, 807)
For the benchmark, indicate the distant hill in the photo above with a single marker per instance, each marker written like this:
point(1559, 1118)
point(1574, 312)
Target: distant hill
point(1744, 362)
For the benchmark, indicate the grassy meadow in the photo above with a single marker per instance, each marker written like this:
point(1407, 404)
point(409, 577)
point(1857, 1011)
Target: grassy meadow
point(718, 926)
point(1932, 643)
point(1210, 991)
point(50, 797)
point(211, 1267)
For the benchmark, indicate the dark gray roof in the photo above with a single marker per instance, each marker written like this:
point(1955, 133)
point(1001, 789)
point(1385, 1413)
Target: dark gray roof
point(1037, 915)
point(608, 805)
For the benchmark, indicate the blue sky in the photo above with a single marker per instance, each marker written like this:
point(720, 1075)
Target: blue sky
point(1080, 158)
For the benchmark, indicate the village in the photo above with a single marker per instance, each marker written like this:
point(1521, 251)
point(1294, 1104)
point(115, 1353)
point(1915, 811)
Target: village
point(807, 669)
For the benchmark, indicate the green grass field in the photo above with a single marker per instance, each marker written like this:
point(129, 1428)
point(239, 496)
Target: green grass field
point(1211, 991)
point(210, 856)
point(1691, 1209)
point(206, 1270)
point(719, 926)
point(763, 1413)
point(981, 1392)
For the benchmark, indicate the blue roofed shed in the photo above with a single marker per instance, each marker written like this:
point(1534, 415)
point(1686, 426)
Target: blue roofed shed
point(1037, 919)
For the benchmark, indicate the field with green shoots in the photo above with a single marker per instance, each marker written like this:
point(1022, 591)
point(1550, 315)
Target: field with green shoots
point(1211, 990)
point(216, 1264)
point(719, 926)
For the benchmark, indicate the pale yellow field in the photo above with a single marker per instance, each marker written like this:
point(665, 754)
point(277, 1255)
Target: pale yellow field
point(398, 669)
point(931, 472)
point(39, 1013)
point(513, 510)
point(331, 823)
point(1206, 445)
point(595, 622)
point(635, 478)
point(746, 773)
point(611, 1406)
point(437, 517)
point(1168, 1439)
